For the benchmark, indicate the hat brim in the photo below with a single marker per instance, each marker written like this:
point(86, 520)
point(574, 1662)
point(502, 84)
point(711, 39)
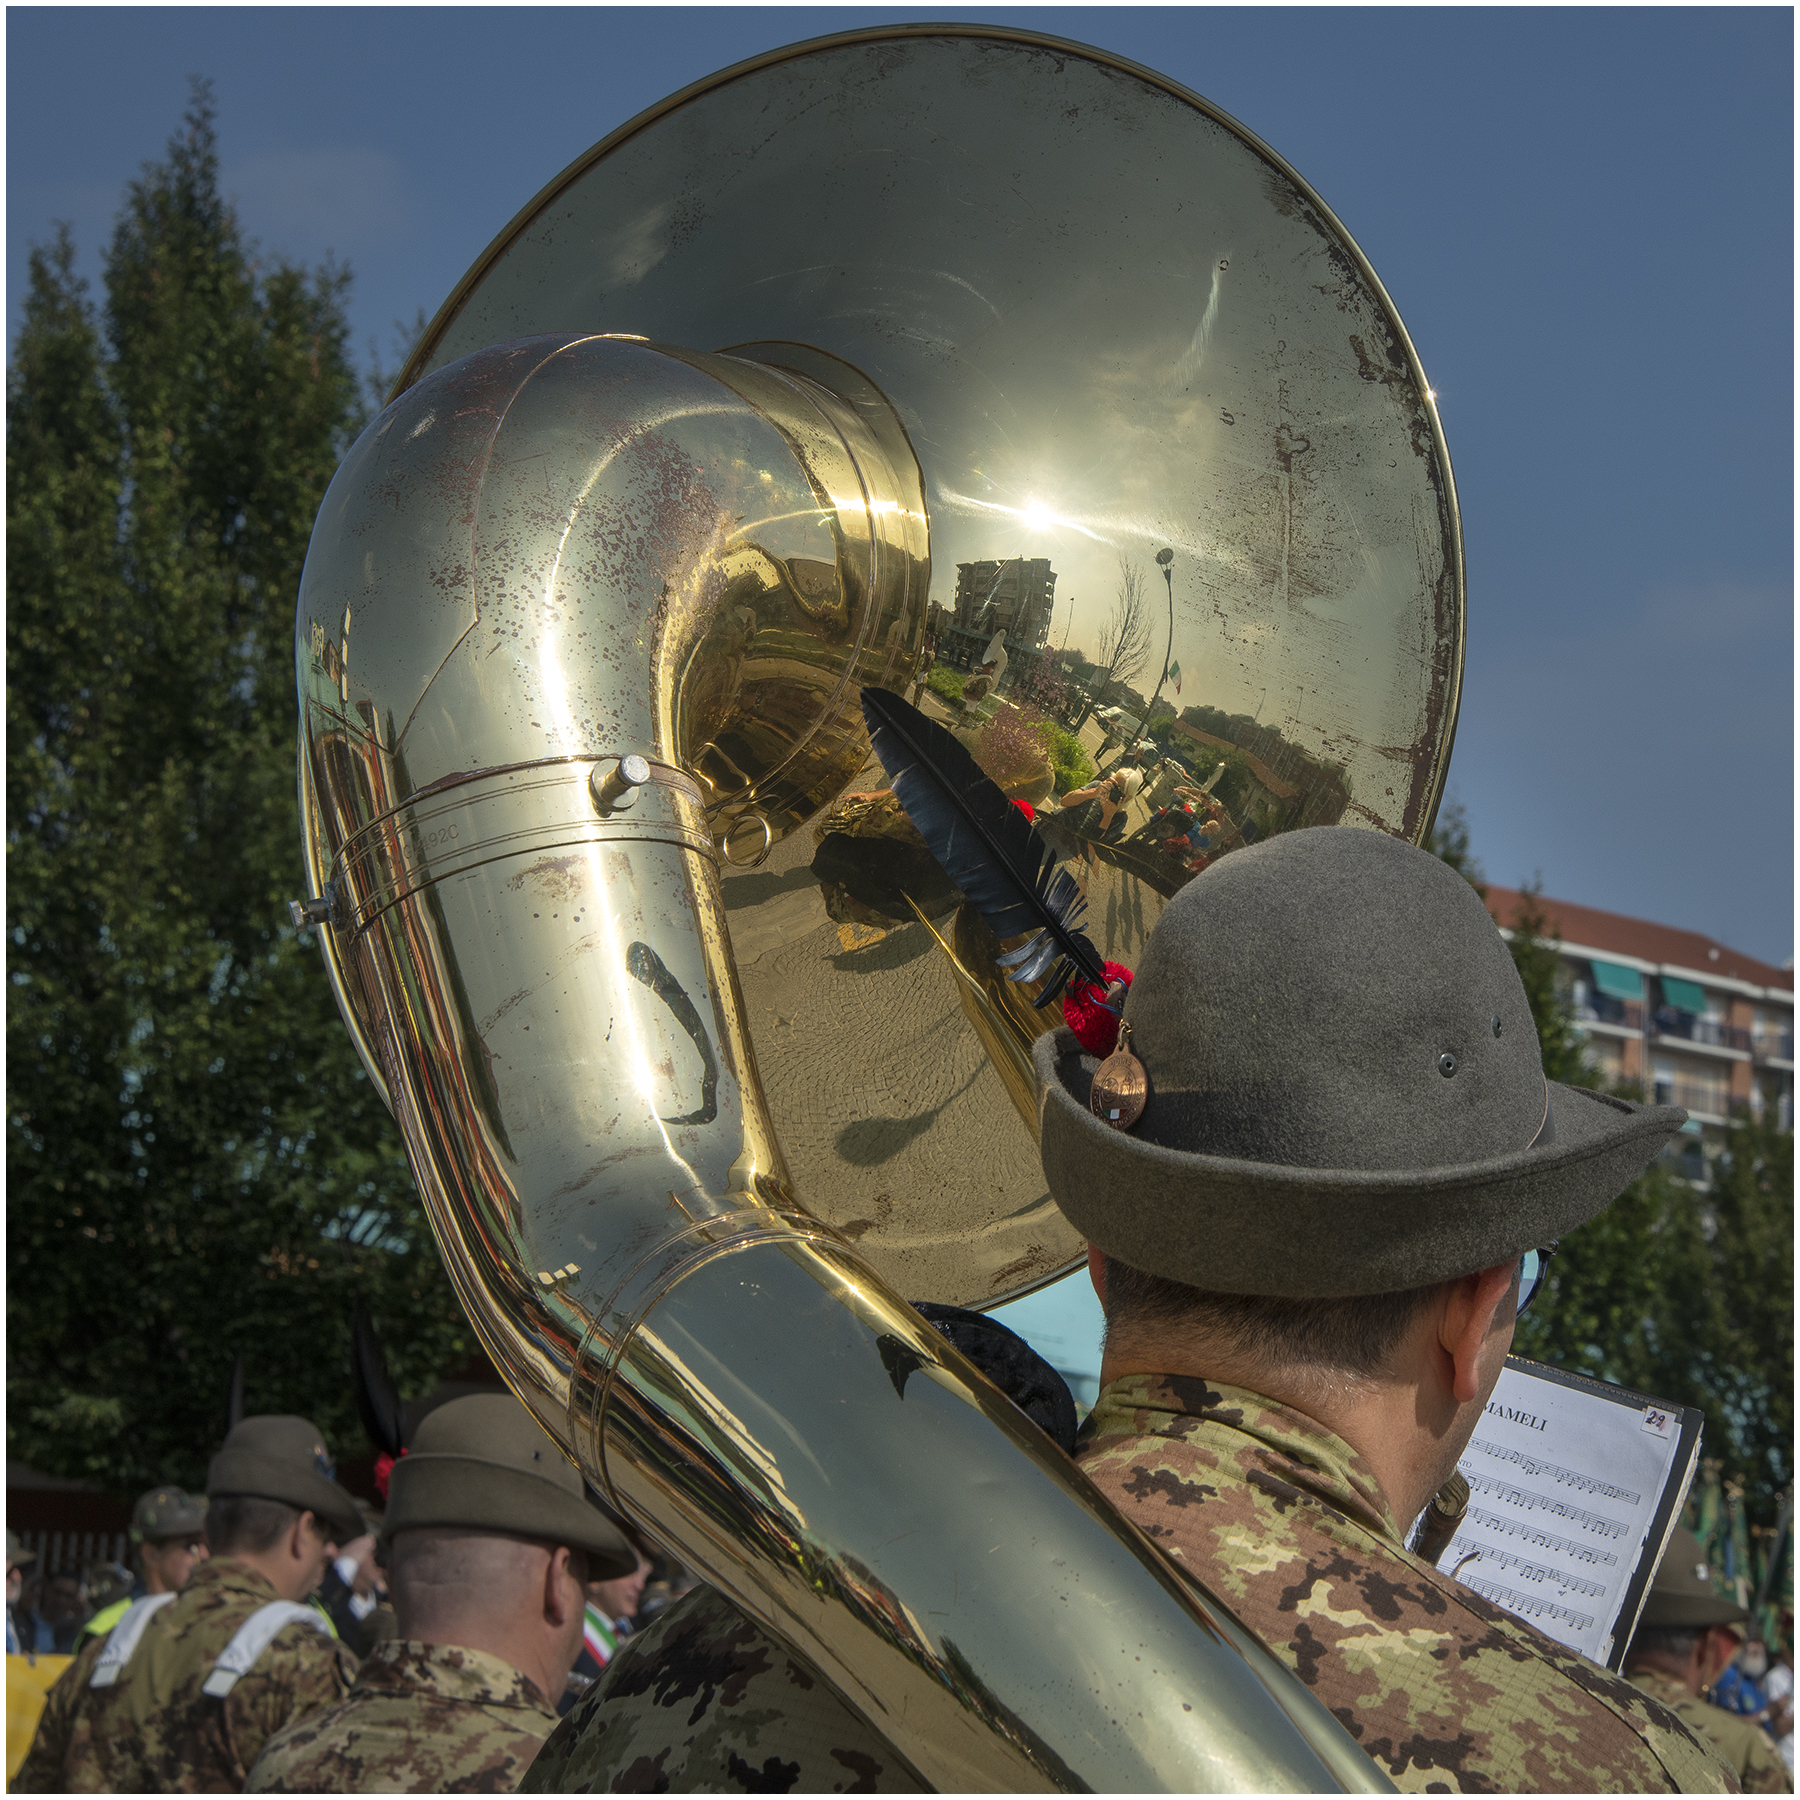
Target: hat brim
point(437, 1488)
point(1689, 1612)
point(1236, 1227)
point(268, 1478)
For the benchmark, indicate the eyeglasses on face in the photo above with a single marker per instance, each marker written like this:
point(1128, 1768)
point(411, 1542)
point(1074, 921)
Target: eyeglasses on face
point(1532, 1267)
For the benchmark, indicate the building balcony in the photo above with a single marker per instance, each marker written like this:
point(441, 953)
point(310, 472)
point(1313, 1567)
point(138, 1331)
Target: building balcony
point(1708, 1101)
point(1603, 1010)
point(1773, 1046)
point(1703, 1034)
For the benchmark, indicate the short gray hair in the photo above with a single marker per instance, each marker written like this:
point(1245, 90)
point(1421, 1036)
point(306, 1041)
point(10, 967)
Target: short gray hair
point(1353, 1336)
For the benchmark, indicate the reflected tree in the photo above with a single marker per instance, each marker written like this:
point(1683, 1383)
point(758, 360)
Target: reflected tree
point(1125, 639)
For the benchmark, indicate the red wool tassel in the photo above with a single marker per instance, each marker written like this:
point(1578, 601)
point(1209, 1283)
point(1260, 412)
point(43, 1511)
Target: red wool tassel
point(384, 1467)
point(1085, 1013)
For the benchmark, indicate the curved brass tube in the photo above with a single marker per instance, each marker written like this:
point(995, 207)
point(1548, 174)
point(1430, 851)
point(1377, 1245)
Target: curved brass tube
point(575, 609)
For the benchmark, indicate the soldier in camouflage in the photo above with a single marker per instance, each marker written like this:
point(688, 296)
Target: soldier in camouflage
point(168, 1536)
point(1311, 1247)
point(183, 1692)
point(1683, 1641)
point(703, 1701)
point(490, 1540)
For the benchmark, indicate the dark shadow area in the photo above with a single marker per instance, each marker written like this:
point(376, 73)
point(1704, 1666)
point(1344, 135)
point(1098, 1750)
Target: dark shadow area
point(754, 889)
point(904, 944)
point(865, 1143)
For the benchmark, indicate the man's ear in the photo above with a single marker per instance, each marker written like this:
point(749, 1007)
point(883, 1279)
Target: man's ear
point(1472, 1311)
point(305, 1525)
point(1097, 1272)
point(563, 1592)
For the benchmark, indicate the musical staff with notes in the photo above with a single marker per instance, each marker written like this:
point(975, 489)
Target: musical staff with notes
point(1574, 1485)
point(1534, 1607)
point(1527, 1500)
point(1522, 1568)
point(1535, 1465)
point(1539, 1539)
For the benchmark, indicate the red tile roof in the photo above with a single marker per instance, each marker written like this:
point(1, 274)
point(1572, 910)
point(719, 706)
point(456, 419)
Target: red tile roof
point(1597, 930)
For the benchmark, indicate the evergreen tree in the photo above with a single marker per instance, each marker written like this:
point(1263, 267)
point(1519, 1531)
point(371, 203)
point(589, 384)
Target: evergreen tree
point(196, 1163)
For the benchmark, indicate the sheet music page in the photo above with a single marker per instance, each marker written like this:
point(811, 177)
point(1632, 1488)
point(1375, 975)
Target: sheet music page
point(1564, 1487)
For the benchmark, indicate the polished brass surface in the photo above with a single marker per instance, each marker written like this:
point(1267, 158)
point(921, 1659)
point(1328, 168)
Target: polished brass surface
point(559, 634)
point(1109, 321)
point(674, 1013)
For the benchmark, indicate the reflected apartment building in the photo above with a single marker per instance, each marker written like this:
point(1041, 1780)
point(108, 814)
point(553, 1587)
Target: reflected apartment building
point(1699, 1024)
point(1016, 595)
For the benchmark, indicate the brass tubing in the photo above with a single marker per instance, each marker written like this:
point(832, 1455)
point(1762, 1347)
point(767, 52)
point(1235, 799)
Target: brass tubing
point(555, 556)
point(735, 1377)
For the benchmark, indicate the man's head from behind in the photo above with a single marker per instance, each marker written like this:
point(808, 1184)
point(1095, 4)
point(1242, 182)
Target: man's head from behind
point(1686, 1630)
point(272, 1502)
point(1349, 1142)
point(492, 1541)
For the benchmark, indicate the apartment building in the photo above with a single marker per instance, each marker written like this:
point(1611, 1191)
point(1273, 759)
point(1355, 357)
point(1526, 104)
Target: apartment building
point(1017, 596)
point(1697, 1023)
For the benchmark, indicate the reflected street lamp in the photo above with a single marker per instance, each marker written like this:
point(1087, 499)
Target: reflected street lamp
point(1164, 559)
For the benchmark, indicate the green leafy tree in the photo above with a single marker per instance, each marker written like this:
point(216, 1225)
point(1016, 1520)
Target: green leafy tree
point(1450, 841)
point(1536, 948)
point(1681, 1292)
point(196, 1163)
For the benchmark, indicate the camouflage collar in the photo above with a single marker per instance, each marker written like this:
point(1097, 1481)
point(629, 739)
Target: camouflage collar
point(226, 1575)
point(1210, 1415)
point(448, 1672)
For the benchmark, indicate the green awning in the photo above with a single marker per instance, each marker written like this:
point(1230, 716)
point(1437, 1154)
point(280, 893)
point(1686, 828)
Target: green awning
point(1617, 982)
point(1684, 996)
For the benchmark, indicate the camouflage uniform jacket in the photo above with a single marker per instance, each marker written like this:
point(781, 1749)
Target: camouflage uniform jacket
point(154, 1731)
point(1745, 1746)
point(1273, 1514)
point(1286, 1524)
point(703, 1702)
point(421, 1719)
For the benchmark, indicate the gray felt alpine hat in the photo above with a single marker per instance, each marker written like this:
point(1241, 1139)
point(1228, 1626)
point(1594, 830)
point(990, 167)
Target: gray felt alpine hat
point(280, 1456)
point(1346, 1094)
point(485, 1464)
point(1682, 1596)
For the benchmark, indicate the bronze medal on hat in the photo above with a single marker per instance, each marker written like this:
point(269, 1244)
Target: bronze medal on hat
point(1121, 1087)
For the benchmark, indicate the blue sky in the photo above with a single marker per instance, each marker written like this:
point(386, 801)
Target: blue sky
point(1585, 218)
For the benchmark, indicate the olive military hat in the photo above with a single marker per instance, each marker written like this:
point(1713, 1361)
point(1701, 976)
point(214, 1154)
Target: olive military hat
point(165, 1513)
point(1345, 1090)
point(485, 1464)
point(105, 1582)
point(1682, 1594)
point(18, 1554)
point(279, 1456)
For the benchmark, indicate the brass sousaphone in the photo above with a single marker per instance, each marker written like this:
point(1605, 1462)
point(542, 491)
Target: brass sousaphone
point(676, 471)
